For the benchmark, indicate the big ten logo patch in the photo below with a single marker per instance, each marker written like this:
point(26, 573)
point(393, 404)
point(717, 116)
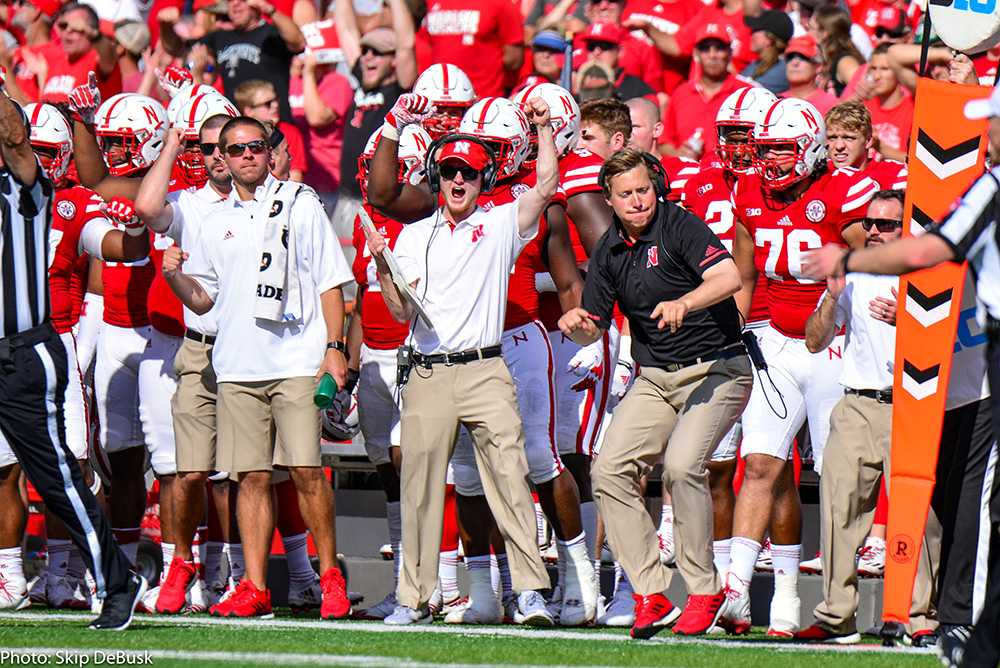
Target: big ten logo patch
point(901, 548)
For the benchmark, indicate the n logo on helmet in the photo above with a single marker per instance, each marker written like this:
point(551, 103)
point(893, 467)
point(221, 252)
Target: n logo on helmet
point(151, 115)
point(810, 119)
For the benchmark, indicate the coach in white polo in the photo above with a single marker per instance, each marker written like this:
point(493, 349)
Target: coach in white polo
point(274, 267)
point(459, 262)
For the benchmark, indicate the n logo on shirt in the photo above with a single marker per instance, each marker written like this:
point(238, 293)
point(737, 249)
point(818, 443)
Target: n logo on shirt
point(652, 257)
point(477, 233)
point(461, 147)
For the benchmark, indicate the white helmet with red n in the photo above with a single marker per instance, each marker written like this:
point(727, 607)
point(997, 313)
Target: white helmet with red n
point(185, 95)
point(450, 91)
point(790, 123)
point(504, 127)
point(135, 123)
point(51, 138)
point(742, 110)
point(413, 143)
point(564, 111)
point(190, 117)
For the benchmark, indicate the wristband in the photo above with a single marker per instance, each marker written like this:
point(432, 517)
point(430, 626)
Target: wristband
point(389, 131)
point(843, 262)
point(338, 345)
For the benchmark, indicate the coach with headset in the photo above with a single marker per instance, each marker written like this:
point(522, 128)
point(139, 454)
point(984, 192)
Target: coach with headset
point(458, 262)
point(674, 281)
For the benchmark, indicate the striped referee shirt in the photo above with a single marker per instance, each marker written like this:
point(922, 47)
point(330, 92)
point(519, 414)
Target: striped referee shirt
point(972, 233)
point(26, 216)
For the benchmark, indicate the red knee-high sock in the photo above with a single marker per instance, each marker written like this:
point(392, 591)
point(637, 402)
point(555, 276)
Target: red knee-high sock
point(449, 537)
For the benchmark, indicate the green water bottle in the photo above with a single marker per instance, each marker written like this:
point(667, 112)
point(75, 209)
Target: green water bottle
point(325, 392)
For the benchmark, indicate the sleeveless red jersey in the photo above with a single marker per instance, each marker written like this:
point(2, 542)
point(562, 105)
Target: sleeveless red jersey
point(73, 208)
point(784, 232)
point(379, 329)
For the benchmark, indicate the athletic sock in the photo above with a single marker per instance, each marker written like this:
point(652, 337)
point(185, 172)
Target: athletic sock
point(480, 584)
point(743, 555)
point(622, 583)
point(168, 556)
point(213, 561)
point(234, 554)
point(666, 519)
point(588, 518)
point(721, 557)
point(503, 567)
point(541, 524)
point(575, 550)
point(300, 571)
point(394, 518)
point(786, 560)
point(562, 557)
point(59, 553)
point(448, 574)
point(198, 549)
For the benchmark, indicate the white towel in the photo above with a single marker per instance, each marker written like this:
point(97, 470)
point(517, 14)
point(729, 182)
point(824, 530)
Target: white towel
point(278, 292)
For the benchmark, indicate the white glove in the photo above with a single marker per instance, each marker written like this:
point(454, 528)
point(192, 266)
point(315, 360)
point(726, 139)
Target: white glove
point(622, 379)
point(587, 365)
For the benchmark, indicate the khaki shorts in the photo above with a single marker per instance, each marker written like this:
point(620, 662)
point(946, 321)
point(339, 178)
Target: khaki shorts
point(193, 407)
point(252, 415)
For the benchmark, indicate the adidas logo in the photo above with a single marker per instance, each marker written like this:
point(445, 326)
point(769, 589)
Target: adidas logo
point(785, 221)
point(229, 235)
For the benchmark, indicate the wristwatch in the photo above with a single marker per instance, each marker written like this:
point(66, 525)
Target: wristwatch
point(338, 345)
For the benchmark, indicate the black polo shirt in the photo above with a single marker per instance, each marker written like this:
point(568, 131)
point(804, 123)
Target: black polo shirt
point(664, 264)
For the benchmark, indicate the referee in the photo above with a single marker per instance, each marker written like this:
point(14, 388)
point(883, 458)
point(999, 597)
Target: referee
point(34, 372)
point(969, 233)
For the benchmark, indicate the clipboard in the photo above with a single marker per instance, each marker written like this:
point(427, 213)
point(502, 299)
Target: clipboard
point(397, 274)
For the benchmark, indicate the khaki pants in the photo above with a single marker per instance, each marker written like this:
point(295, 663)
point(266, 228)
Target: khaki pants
point(193, 406)
point(268, 423)
point(479, 395)
point(680, 417)
point(854, 461)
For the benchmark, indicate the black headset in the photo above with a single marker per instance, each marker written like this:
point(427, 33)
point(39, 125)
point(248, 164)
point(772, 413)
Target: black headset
point(656, 172)
point(434, 171)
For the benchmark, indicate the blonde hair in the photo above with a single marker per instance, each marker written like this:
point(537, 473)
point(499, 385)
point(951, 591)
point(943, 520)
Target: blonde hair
point(245, 92)
point(852, 115)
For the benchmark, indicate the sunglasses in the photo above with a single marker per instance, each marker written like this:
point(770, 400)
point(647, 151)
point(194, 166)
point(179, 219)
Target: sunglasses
point(449, 172)
point(882, 33)
point(257, 147)
point(208, 148)
point(63, 26)
point(267, 103)
point(368, 50)
point(883, 225)
point(602, 45)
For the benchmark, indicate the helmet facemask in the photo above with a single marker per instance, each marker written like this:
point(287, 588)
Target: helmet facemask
point(735, 147)
point(780, 172)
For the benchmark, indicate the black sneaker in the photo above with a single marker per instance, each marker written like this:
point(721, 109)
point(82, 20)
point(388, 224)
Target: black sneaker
point(116, 615)
point(951, 644)
point(924, 638)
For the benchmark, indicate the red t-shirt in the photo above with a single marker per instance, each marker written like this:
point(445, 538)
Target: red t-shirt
point(324, 146)
point(666, 16)
point(473, 36)
point(819, 98)
point(379, 329)
point(64, 76)
point(296, 146)
point(26, 79)
point(689, 111)
point(892, 126)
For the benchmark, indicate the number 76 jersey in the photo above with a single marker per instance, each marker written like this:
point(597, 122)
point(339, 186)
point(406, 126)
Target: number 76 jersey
point(784, 232)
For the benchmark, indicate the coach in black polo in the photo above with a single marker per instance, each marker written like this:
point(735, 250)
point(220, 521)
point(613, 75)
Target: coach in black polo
point(674, 281)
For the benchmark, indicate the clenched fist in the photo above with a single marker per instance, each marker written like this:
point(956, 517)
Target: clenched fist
point(538, 111)
point(122, 213)
point(173, 260)
point(174, 79)
point(409, 108)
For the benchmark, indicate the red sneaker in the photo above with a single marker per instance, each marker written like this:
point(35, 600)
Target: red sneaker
point(700, 614)
point(653, 613)
point(246, 601)
point(173, 592)
point(335, 603)
point(818, 633)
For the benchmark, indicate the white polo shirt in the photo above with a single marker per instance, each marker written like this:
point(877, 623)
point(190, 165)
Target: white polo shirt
point(870, 344)
point(193, 210)
point(249, 349)
point(462, 274)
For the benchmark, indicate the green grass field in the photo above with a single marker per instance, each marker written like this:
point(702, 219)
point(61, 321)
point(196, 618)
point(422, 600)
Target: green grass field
point(62, 639)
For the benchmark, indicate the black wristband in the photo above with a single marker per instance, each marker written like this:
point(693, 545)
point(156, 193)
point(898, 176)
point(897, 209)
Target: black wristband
point(844, 260)
point(338, 345)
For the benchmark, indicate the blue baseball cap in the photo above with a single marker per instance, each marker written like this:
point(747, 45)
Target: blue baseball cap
point(549, 39)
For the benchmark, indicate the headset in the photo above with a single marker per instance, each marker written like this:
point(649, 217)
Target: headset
point(434, 172)
point(656, 173)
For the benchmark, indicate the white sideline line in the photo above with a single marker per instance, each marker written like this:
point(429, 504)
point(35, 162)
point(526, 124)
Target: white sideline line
point(494, 631)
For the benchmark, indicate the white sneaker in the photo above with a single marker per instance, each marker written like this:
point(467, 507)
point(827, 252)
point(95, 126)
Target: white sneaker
point(454, 603)
point(197, 597)
point(67, 594)
point(403, 616)
point(621, 611)
point(531, 609)
point(666, 540)
point(386, 552)
point(812, 566)
point(871, 558)
point(13, 591)
point(380, 610)
point(734, 614)
point(436, 603)
point(785, 611)
point(764, 563)
point(304, 596)
point(148, 602)
point(476, 612)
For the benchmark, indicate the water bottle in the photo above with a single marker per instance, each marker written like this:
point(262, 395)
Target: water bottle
point(696, 143)
point(325, 392)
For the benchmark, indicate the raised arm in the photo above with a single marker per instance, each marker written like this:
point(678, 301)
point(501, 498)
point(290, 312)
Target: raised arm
point(406, 55)
point(532, 203)
point(151, 200)
point(15, 142)
point(400, 201)
point(348, 34)
point(287, 30)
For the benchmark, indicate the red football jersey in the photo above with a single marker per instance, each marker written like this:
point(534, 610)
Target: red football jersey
point(166, 314)
point(678, 170)
point(379, 329)
point(73, 208)
point(126, 289)
point(888, 174)
point(783, 232)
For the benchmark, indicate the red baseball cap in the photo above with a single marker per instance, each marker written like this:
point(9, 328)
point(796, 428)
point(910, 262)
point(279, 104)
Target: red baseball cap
point(603, 32)
point(892, 19)
point(803, 45)
point(471, 153)
point(713, 31)
point(48, 7)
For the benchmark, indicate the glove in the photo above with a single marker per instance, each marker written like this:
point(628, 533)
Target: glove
point(409, 108)
point(622, 378)
point(587, 365)
point(84, 100)
point(122, 214)
point(174, 79)
point(340, 421)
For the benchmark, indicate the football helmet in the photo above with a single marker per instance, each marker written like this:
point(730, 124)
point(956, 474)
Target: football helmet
point(504, 127)
point(564, 112)
point(796, 124)
point(450, 91)
point(130, 129)
point(185, 94)
point(413, 143)
point(51, 139)
point(191, 116)
point(742, 110)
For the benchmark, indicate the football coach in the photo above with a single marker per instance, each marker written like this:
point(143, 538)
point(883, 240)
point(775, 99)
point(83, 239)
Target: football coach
point(459, 261)
point(674, 281)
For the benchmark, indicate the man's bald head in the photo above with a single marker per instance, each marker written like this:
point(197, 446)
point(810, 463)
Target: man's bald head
point(646, 125)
